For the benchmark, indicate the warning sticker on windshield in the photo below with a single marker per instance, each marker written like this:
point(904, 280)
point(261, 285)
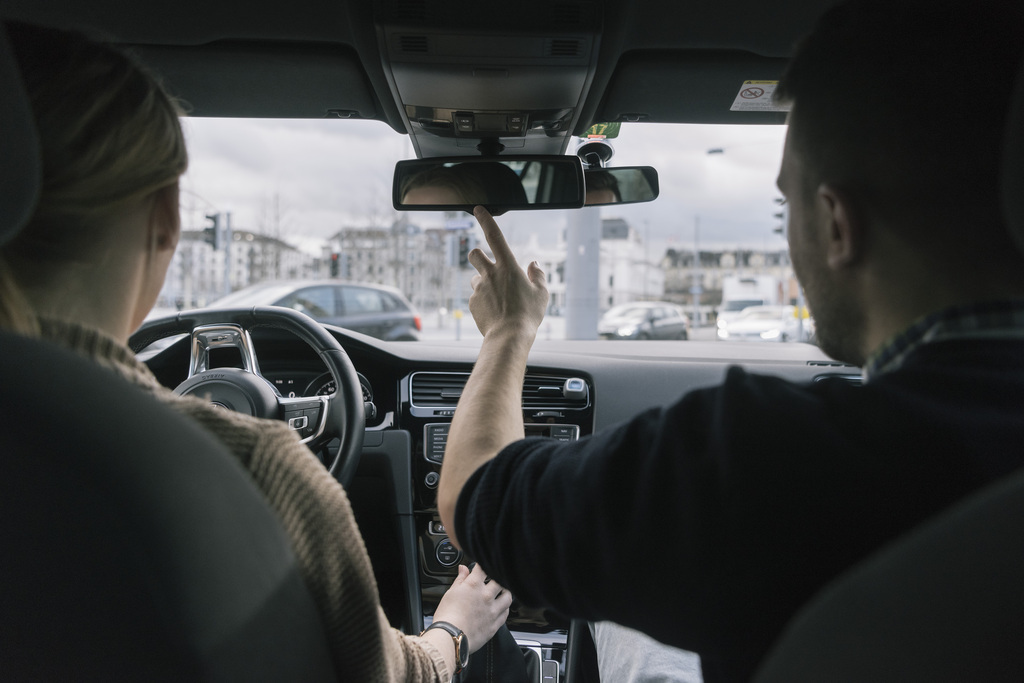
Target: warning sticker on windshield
point(757, 96)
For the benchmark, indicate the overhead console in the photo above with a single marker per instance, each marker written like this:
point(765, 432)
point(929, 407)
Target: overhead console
point(463, 74)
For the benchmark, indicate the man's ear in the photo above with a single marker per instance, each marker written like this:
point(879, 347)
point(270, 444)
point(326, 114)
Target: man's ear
point(165, 219)
point(845, 230)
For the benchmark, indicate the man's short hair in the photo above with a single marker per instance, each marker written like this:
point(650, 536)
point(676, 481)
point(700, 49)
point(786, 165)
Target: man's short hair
point(904, 102)
point(603, 180)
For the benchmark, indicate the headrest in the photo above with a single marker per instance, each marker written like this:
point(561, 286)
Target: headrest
point(1013, 164)
point(20, 166)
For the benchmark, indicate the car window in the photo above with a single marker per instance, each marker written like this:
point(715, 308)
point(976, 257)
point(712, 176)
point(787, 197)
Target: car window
point(627, 312)
point(316, 302)
point(763, 314)
point(311, 201)
point(264, 295)
point(392, 304)
point(361, 301)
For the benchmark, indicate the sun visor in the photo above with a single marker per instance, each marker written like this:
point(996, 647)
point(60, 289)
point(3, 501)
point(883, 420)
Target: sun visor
point(689, 86)
point(257, 80)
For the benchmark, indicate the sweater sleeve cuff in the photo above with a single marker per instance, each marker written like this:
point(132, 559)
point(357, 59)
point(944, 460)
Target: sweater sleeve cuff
point(441, 671)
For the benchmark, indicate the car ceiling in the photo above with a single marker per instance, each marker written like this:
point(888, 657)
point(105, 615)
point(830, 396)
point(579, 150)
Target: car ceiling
point(414, 63)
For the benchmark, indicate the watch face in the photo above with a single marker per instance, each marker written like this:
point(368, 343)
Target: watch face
point(462, 650)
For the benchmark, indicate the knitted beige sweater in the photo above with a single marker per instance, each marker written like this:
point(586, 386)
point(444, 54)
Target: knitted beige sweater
point(315, 513)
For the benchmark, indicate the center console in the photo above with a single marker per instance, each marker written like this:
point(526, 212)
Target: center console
point(555, 406)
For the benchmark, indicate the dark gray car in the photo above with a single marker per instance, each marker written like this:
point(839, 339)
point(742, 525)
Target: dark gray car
point(380, 312)
point(644, 320)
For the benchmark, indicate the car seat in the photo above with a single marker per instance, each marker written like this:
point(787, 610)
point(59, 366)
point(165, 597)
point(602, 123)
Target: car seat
point(135, 546)
point(946, 602)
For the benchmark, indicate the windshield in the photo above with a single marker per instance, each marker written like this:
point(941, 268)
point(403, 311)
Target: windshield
point(264, 295)
point(763, 314)
point(298, 200)
point(740, 304)
point(627, 312)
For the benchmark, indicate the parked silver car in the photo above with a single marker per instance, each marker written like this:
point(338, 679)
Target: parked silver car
point(380, 312)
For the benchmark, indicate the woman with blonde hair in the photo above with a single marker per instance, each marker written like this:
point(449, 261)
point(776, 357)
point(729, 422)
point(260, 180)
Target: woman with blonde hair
point(87, 268)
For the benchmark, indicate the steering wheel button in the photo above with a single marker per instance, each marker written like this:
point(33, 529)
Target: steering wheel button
point(298, 423)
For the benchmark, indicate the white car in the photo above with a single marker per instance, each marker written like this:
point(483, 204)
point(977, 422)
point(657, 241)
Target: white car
point(766, 323)
point(730, 310)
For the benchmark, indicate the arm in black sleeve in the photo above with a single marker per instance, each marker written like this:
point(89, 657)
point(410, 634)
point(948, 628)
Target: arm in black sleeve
point(707, 523)
point(583, 527)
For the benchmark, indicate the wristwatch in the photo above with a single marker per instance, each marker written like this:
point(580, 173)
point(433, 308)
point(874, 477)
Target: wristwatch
point(461, 643)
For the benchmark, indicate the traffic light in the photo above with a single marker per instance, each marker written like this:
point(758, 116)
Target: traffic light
point(464, 249)
point(211, 234)
point(334, 265)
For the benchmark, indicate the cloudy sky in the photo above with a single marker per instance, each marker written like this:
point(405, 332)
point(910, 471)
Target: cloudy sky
point(322, 175)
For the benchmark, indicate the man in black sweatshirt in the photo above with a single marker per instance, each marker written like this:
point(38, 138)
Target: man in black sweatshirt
point(896, 233)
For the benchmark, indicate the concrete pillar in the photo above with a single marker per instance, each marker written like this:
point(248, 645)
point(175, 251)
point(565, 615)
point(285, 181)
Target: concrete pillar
point(582, 264)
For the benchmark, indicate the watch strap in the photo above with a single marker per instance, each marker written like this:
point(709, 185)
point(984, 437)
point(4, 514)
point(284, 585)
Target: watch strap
point(458, 638)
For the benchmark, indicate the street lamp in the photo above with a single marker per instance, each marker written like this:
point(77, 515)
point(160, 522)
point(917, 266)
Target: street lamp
point(695, 287)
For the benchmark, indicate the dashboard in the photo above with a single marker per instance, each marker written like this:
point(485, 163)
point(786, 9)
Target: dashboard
point(295, 384)
point(411, 389)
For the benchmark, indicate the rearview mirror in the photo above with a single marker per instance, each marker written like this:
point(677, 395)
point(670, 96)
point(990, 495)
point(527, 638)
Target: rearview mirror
point(497, 183)
point(623, 185)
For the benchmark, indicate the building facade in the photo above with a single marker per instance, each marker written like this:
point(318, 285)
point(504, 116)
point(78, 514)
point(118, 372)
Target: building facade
point(695, 279)
point(196, 276)
point(625, 273)
point(412, 259)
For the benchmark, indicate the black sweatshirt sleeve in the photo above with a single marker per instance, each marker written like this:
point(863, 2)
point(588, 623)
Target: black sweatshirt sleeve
point(709, 522)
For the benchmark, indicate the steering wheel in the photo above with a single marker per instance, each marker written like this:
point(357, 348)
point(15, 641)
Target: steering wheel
point(317, 420)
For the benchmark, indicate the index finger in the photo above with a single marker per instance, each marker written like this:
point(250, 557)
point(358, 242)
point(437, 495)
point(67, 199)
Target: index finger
point(492, 233)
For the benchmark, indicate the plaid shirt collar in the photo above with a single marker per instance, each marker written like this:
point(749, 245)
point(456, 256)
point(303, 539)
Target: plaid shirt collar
point(991, 320)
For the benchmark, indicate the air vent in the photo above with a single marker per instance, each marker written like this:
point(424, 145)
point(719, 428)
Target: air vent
point(417, 43)
point(545, 391)
point(443, 389)
point(437, 389)
point(564, 48)
point(829, 364)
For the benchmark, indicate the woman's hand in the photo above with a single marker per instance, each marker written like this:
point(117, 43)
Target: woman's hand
point(477, 606)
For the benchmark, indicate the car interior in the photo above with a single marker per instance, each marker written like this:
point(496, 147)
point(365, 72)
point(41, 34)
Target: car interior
point(110, 575)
